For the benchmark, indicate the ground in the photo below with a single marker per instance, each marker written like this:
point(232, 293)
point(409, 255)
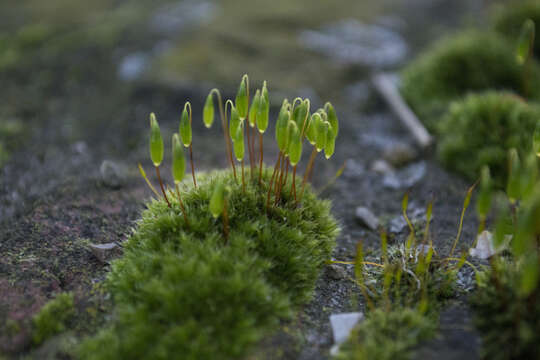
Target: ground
point(82, 102)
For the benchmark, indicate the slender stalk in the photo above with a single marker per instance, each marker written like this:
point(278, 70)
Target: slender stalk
point(279, 181)
point(243, 181)
point(225, 130)
point(293, 188)
point(463, 210)
point(308, 170)
point(260, 156)
point(192, 167)
point(143, 174)
point(248, 130)
point(286, 173)
point(272, 179)
point(161, 185)
point(181, 204)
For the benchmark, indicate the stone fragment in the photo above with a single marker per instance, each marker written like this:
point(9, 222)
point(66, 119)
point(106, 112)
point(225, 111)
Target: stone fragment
point(112, 174)
point(102, 251)
point(342, 325)
point(366, 217)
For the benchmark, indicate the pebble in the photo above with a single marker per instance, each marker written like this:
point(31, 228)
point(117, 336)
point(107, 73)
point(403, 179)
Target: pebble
point(342, 325)
point(400, 154)
point(381, 167)
point(406, 177)
point(112, 174)
point(366, 217)
point(102, 251)
point(337, 272)
point(484, 246)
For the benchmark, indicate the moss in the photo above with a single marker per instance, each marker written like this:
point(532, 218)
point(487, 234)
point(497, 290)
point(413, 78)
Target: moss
point(509, 19)
point(481, 129)
point(187, 290)
point(53, 317)
point(509, 323)
point(454, 66)
point(388, 335)
point(10, 136)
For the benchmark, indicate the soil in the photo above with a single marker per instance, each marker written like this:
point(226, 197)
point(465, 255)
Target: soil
point(77, 112)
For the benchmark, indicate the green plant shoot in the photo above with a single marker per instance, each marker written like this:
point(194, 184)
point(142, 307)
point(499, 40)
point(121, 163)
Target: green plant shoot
point(295, 145)
point(238, 142)
point(525, 42)
point(254, 109)
point(156, 141)
point(217, 201)
point(185, 125)
point(263, 110)
point(208, 111)
point(234, 124)
point(483, 203)
point(282, 123)
point(513, 189)
point(178, 160)
point(536, 139)
point(241, 100)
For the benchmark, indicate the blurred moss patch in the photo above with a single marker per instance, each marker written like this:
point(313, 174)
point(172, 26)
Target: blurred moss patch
point(509, 18)
point(53, 317)
point(467, 62)
point(480, 130)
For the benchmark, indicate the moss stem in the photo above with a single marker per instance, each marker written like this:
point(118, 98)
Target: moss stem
point(272, 179)
point(308, 171)
point(192, 167)
point(225, 130)
point(260, 156)
point(161, 185)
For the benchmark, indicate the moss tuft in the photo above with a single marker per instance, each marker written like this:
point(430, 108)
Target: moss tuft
point(509, 323)
point(509, 19)
point(186, 289)
point(53, 317)
point(481, 129)
point(463, 63)
point(387, 335)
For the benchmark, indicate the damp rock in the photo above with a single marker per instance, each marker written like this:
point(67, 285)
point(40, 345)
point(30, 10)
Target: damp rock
point(175, 17)
point(367, 218)
point(485, 247)
point(353, 168)
point(416, 215)
point(112, 175)
point(336, 272)
point(342, 325)
point(352, 42)
point(400, 154)
point(381, 167)
point(406, 177)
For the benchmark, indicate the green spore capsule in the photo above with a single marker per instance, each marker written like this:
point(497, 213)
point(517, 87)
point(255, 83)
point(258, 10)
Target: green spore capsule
point(185, 126)
point(264, 110)
point(238, 145)
point(208, 111)
point(330, 145)
point(282, 123)
point(178, 160)
point(311, 132)
point(483, 203)
point(295, 145)
point(254, 109)
point(156, 141)
point(525, 42)
point(241, 100)
point(513, 188)
point(234, 123)
point(217, 201)
point(321, 131)
point(536, 140)
point(332, 118)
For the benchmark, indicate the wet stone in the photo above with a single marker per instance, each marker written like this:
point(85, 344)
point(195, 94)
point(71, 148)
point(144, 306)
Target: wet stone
point(381, 167)
point(367, 218)
point(336, 272)
point(400, 154)
point(406, 177)
point(112, 174)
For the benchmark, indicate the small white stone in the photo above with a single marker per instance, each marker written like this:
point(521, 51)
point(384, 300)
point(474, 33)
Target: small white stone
point(484, 246)
point(367, 218)
point(342, 325)
point(381, 167)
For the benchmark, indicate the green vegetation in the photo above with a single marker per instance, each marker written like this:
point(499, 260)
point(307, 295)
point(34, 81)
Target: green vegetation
point(388, 335)
point(53, 317)
point(509, 19)
point(467, 62)
point(480, 130)
point(216, 262)
point(403, 290)
point(506, 301)
point(181, 289)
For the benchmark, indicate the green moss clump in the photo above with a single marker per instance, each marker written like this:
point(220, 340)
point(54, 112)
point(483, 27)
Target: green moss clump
point(186, 289)
point(467, 62)
point(388, 335)
point(509, 19)
point(53, 317)
point(481, 129)
point(509, 323)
